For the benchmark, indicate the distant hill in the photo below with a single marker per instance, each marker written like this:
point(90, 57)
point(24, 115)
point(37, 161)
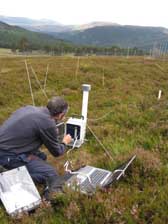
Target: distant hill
point(58, 28)
point(100, 34)
point(41, 25)
point(10, 36)
point(20, 21)
point(94, 24)
point(49, 26)
point(122, 36)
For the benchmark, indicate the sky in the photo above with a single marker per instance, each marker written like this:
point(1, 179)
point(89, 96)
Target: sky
point(68, 12)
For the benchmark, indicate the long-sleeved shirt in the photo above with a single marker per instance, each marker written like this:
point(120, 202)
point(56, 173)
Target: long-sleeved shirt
point(27, 129)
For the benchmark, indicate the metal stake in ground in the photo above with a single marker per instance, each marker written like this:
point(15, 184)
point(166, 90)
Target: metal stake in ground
point(77, 68)
point(37, 80)
point(103, 78)
point(46, 76)
point(159, 94)
point(28, 76)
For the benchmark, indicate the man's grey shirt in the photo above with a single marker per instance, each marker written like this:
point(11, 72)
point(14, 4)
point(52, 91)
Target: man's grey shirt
point(27, 129)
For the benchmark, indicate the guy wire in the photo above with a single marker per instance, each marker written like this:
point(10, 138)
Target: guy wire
point(98, 140)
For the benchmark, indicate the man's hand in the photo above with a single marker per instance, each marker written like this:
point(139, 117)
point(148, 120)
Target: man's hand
point(67, 139)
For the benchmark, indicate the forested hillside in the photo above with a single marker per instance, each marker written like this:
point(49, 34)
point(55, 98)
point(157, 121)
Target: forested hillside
point(121, 36)
point(17, 38)
point(13, 37)
point(95, 34)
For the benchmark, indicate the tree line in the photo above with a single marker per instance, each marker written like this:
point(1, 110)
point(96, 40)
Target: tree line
point(24, 46)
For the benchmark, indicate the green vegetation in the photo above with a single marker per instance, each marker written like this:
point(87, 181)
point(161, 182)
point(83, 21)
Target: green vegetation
point(135, 122)
point(18, 38)
point(121, 36)
point(24, 41)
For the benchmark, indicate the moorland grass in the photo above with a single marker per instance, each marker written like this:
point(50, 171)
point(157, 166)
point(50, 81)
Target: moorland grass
point(136, 123)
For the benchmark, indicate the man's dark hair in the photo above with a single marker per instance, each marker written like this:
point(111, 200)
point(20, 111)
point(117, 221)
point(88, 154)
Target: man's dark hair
point(57, 105)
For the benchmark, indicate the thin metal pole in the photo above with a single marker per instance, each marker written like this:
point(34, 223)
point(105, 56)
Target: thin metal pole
point(46, 76)
point(165, 51)
point(159, 94)
point(128, 52)
point(158, 66)
point(103, 78)
point(77, 68)
point(28, 76)
point(37, 80)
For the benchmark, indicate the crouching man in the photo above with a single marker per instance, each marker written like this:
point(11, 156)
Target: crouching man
point(25, 131)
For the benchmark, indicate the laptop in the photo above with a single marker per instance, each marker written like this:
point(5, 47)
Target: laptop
point(88, 178)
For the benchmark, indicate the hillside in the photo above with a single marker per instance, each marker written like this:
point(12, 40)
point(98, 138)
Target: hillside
point(23, 21)
point(126, 116)
point(21, 40)
point(41, 25)
point(101, 34)
point(10, 36)
point(122, 36)
point(47, 26)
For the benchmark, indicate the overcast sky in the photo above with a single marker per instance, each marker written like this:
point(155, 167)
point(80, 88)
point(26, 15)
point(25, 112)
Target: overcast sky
point(124, 12)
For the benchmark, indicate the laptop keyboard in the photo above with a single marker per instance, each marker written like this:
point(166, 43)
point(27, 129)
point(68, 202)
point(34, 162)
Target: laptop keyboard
point(96, 177)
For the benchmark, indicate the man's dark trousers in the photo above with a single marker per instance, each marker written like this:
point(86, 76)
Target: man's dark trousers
point(38, 168)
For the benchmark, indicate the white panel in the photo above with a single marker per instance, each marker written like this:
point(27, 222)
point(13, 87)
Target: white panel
point(17, 191)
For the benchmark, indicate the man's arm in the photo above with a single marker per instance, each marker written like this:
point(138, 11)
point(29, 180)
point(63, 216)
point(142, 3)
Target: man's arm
point(49, 138)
